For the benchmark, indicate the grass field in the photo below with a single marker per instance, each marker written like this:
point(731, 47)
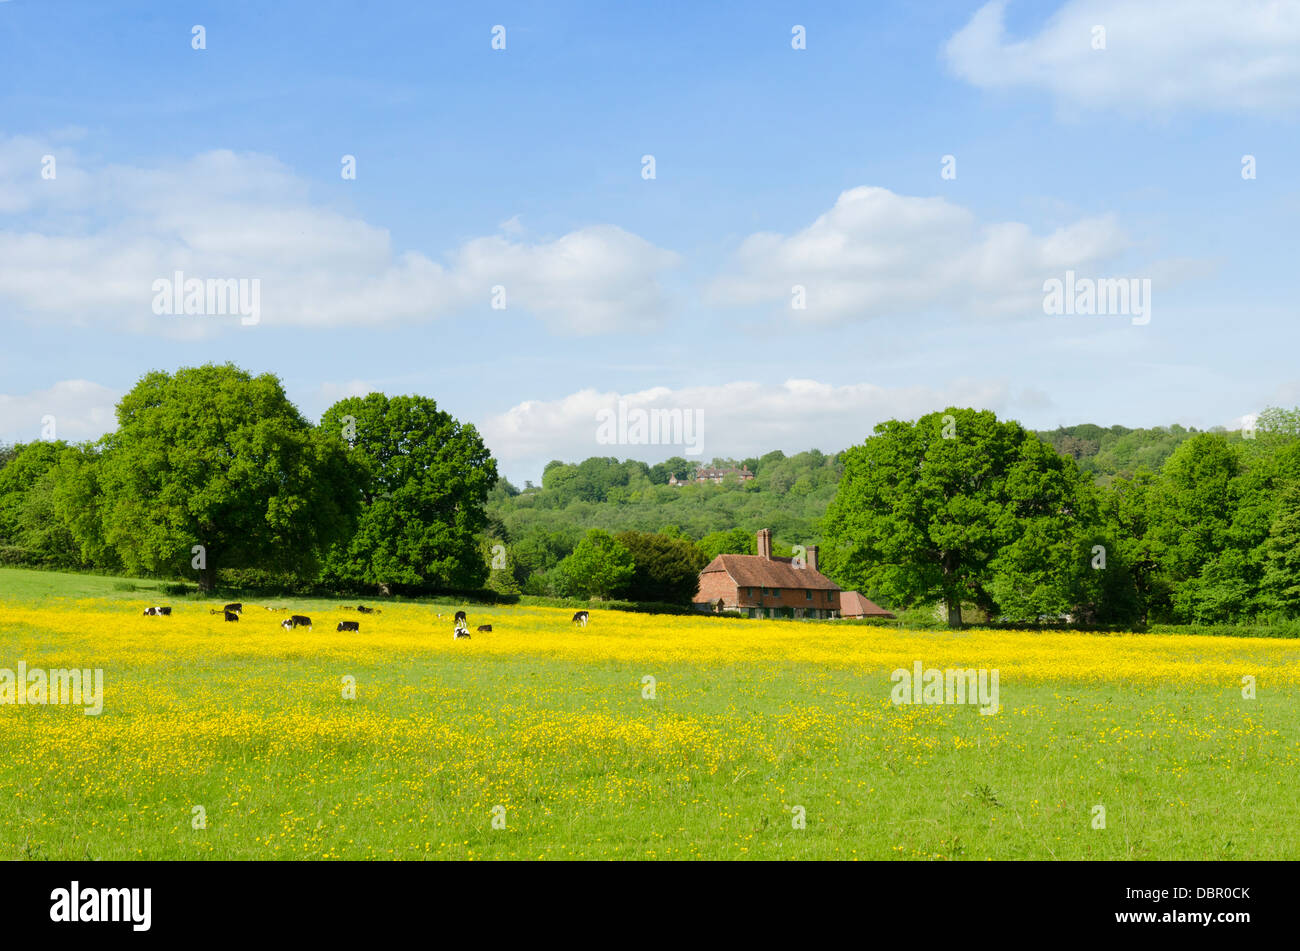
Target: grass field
point(749, 719)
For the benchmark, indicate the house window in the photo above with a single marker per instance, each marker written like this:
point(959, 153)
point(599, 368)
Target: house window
point(776, 592)
point(808, 595)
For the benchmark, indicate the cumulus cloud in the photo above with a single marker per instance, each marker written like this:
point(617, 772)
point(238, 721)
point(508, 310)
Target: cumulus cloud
point(95, 240)
point(878, 254)
point(81, 410)
point(735, 419)
point(1159, 56)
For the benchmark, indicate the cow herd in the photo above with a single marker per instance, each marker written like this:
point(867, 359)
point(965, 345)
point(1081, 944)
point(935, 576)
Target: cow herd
point(234, 611)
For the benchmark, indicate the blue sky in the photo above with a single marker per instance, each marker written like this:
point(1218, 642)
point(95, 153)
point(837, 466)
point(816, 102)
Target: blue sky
point(522, 168)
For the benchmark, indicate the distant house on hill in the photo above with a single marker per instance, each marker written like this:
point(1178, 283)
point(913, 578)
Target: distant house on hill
point(709, 474)
point(763, 586)
point(853, 604)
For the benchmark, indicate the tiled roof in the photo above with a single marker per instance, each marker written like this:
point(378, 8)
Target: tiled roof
point(853, 604)
point(754, 571)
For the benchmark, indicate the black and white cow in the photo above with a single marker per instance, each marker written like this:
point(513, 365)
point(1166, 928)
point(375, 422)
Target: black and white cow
point(157, 612)
point(581, 618)
point(460, 616)
point(460, 630)
point(296, 620)
point(365, 610)
point(349, 626)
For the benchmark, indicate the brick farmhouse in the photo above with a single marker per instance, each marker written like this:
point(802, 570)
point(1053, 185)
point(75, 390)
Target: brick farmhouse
point(762, 586)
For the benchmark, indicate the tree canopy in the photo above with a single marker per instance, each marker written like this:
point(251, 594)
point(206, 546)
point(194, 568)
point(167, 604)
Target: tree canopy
point(424, 482)
point(957, 507)
point(214, 467)
point(599, 567)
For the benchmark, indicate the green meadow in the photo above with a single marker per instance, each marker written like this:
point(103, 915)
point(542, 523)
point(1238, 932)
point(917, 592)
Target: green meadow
point(237, 741)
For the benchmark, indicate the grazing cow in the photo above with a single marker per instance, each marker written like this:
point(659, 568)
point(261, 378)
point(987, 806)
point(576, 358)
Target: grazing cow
point(460, 630)
point(232, 616)
point(234, 608)
point(365, 610)
point(157, 612)
point(296, 620)
point(485, 628)
point(581, 618)
point(349, 626)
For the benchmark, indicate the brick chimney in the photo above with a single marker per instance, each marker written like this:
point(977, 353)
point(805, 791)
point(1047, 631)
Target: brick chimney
point(764, 547)
point(811, 557)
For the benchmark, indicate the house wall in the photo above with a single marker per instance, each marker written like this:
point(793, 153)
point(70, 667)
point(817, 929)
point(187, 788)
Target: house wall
point(790, 598)
point(718, 584)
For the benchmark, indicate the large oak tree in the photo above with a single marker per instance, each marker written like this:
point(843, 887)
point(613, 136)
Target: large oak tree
point(959, 507)
point(425, 479)
point(214, 457)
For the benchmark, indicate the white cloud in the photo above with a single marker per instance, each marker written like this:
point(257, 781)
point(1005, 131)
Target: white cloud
point(82, 410)
point(96, 239)
point(738, 419)
point(877, 254)
point(1160, 55)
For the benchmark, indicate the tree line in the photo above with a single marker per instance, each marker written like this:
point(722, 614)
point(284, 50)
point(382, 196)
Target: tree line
point(213, 475)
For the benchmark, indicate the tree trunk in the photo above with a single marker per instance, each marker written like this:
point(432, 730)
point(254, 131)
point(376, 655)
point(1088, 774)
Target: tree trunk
point(207, 572)
point(951, 600)
point(953, 605)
